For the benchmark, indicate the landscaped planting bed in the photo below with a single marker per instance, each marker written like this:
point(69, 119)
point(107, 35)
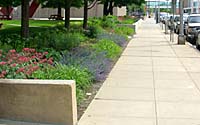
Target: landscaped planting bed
point(85, 56)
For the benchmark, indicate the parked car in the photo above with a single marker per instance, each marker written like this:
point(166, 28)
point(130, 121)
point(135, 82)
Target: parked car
point(177, 23)
point(171, 21)
point(198, 41)
point(192, 28)
point(162, 16)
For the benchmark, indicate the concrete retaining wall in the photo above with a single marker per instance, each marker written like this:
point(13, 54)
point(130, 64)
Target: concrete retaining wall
point(138, 25)
point(42, 101)
point(135, 26)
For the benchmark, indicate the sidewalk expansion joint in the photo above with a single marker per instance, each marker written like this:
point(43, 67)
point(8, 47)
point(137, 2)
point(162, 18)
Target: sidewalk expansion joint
point(127, 100)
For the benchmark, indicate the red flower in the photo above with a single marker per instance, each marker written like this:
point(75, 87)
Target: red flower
point(24, 59)
point(32, 50)
point(45, 53)
point(2, 76)
point(10, 61)
point(12, 51)
point(4, 72)
point(36, 68)
point(2, 63)
point(26, 49)
point(28, 73)
point(43, 61)
point(39, 55)
point(24, 63)
point(33, 57)
point(20, 70)
point(13, 65)
point(50, 62)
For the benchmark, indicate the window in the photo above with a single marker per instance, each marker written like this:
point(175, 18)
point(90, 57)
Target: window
point(194, 19)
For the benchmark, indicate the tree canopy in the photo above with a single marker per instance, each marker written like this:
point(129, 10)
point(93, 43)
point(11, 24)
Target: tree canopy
point(110, 4)
point(60, 3)
point(13, 3)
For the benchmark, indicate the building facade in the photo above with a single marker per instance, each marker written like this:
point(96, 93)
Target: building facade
point(162, 4)
point(36, 11)
point(192, 6)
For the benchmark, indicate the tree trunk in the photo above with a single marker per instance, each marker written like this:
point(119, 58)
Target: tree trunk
point(8, 11)
point(59, 11)
point(105, 8)
point(67, 17)
point(111, 8)
point(25, 19)
point(85, 14)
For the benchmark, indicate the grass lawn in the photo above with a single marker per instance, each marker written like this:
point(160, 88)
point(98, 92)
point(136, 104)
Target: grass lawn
point(33, 23)
point(14, 26)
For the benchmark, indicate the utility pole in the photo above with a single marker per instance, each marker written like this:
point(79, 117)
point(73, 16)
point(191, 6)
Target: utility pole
point(181, 37)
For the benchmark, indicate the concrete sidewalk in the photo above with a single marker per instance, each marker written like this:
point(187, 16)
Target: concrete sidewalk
point(153, 83)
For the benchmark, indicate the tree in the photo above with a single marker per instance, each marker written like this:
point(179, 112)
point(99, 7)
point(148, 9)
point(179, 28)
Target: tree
point(25, 13)
point(59, 4)
point(66, 4)
point(8, 4)
point(67, 13)
point(25, 19)
point(86, 8)
point(85, 17)
point(110, 4)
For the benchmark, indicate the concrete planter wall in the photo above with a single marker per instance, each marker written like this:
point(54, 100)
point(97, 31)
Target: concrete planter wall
point(135, 26)
point(41, 101)
point(138, 25)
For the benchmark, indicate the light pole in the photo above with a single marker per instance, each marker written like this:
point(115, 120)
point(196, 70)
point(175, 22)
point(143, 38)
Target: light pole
point(167, 7)
point(158, 11)
point(166, 22)
point(181, 37)
point(173, 8)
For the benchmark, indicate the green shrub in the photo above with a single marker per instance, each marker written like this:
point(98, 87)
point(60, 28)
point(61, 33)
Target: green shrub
point(61, 72)
point(57, 40)
point(67, 41)
point(93, 31)
point(86, 57)
point(128, 20)
point(119, 39)
point(52, 53)
point(13, 40)
point(124, 30)
point(94, 21)
point(111, 49)
point(5, 46)
point(109, 21)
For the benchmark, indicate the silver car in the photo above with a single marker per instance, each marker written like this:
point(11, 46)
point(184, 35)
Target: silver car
point(177, 23)
point(192, 28)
